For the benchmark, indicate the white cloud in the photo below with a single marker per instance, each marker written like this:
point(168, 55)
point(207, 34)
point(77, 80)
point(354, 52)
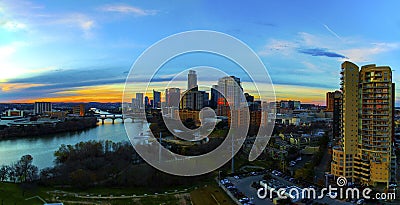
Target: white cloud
point(366, 54)
point(8, 67)
point(128, 10)
point(7, 51)
point(312, 67)
point(288, 47)
point(309, 39)
point(275, 46)
point(356, 50)
point(13, 25)
point(81, 21)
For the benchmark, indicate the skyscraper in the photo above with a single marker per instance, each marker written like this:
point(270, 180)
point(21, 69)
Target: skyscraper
point(194, 99)
point(146, 101)
point(337, 113)
point(215, 95)
point(329, 101)
point(192, 79)
point(42, 108)
point(364, 153)
point(156, 99)
point(139, 100)
point(231, 88)
point(172, 97)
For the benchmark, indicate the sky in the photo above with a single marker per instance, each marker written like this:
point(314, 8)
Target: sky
point(82, 51)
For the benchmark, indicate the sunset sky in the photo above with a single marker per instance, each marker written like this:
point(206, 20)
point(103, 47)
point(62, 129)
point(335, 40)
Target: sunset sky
point(82, 51)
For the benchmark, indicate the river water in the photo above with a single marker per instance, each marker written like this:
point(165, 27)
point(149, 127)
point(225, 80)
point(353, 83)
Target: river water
point(42, 147)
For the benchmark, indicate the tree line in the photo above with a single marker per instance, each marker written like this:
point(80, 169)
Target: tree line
point(21, 171)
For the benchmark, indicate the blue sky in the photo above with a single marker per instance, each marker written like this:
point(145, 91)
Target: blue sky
point(83, 50)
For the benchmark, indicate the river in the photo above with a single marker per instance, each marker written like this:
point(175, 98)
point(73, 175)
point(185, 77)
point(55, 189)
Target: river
point(42, 147)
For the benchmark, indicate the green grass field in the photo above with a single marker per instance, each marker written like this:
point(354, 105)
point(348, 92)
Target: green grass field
point(211, 194)
point(206, 192)
point(13, 194)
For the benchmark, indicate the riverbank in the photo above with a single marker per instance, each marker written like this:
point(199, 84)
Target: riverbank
point(69, 125)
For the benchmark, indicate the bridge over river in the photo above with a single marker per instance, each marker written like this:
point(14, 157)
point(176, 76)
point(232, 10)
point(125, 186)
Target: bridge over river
point(113, 117)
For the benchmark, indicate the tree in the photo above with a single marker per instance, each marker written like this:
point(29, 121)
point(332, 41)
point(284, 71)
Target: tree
point(24, 170)
point(4, 172)
point(190, 123)
point(11, 173)
point(82, 178)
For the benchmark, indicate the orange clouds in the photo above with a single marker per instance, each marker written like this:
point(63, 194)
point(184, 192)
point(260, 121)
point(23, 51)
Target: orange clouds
point(113, 93)
point(103, 93)
point(10, 87)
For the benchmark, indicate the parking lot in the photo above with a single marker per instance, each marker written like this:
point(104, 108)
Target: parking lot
point(244, 185)
point(241, 187)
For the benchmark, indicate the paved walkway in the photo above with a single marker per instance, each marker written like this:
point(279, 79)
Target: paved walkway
point(88, 196)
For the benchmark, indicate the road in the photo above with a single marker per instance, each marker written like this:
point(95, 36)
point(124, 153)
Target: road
point(244, 185)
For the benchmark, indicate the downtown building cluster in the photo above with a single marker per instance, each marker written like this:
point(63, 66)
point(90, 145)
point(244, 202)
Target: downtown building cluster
point(363, 124)
point(188, 103)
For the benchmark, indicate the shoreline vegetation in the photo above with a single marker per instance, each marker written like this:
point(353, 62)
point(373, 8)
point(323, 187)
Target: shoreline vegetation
point(93, 164)
point(69, 125)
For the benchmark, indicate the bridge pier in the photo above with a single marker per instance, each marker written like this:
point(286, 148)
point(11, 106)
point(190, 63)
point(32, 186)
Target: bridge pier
point(112, 117)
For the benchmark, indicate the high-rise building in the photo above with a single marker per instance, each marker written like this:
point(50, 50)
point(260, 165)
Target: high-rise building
point(231, 88)
point(194, 99)
point(329, 101)
point(290, 104)
point(192, 79)
point(364, 153)
point(337, 113)
point(156, 99)
point(172, 97)
point(215, 95)
point(139, 100)
point(42, 107)
point(79, 110)
point(146, 101)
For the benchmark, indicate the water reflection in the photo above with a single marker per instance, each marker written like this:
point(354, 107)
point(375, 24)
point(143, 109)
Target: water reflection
point(42, 148)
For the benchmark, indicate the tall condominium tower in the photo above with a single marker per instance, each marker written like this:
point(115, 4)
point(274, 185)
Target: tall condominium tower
point(192, 79)
point(156, 99)
point(364, 152)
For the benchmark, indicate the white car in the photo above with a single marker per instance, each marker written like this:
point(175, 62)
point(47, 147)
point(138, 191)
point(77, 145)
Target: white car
point(360, 201)
point(224, 181)
point(332, 195)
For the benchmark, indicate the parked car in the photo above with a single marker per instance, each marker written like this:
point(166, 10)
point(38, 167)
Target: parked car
point(360, 201)
point(332, 194)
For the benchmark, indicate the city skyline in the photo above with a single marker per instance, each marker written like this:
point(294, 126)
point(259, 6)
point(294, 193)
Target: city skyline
point(87, 48)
